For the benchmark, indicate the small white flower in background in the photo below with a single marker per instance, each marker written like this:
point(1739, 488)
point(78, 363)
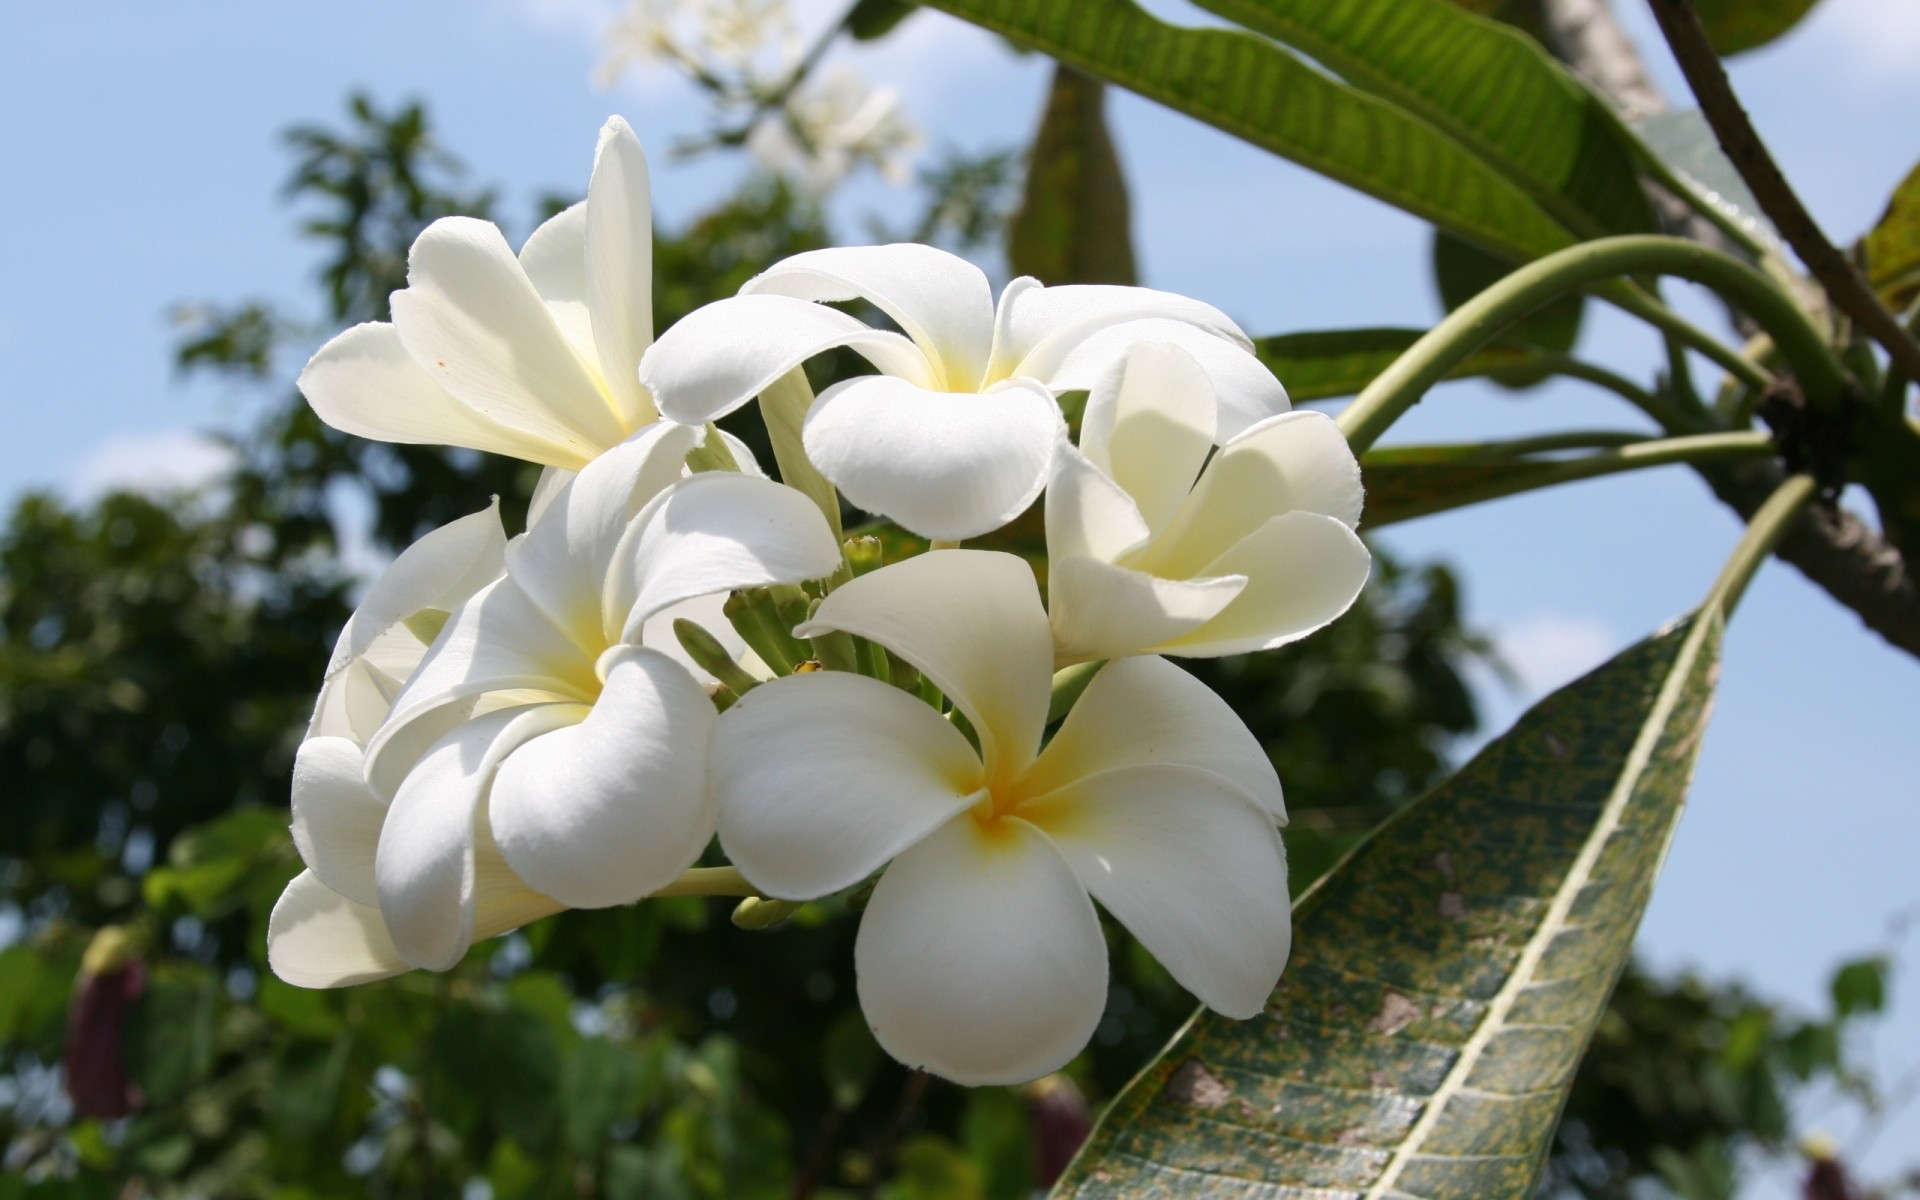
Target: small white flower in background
point(980, 957)
point(326, 930)
point(1154, 547)
point(744, 43)
point(547, 736)
point(956, 435)
point(831, 127)
point(533, 356)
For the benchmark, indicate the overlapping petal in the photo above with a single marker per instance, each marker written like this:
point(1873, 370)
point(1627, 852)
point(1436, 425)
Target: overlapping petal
point(1244, 391)
point(943, 464)
point(613, 808)
point(1148, 428)
point(971, 621)
point(336, 820)
point(1103, 611)
point(823, 778)
point(1303, 570)
point(439, 571)
point(980, 958)
point(619, 268)
point(317, 938)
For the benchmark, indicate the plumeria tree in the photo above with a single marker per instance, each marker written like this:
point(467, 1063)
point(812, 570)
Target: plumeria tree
point(931, 627)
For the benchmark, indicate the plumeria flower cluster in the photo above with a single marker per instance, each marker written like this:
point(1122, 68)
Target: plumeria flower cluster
point(680, 649)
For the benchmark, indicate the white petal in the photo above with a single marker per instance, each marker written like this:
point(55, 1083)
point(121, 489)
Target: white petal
point(714, 533)
point(614, 808)
point(1040, 326)
point(1244, 391)
point(822, 778)
point(1295, 462)
point(722, 355)
point(563, 561)
point(545, 489)
point(1102, 611)
point(1148, 712)
point(971, 620)
point(365, 383)
point(1088, 513)
point(1149, 425)
point(472, 318)
point(1302, 570)
point(942, 301)
point(439, 571)
point(980, 958)
point(620, 267)
point(555, 260)
point(742, 455)
point(1192, 866)
point(317, 938)
point(941, 464)
point(336, 820)
point(425, 867)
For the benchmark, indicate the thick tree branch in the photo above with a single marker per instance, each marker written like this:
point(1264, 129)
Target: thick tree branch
point(1847, 288)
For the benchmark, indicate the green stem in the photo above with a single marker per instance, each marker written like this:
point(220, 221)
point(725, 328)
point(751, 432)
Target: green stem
point(1532, 476)
point(783, 406)
point(1068, 683)
point(1481, 319)
point(1458, 452)
point(1635, 300)
point(709, 881)
point(1663, 414)
point(1764, 532)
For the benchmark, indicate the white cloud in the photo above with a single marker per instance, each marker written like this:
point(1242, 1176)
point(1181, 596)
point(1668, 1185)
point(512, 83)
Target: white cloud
point(1548, 650)
point(160, 461)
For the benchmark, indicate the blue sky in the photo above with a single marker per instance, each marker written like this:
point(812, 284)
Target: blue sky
point(142, 166)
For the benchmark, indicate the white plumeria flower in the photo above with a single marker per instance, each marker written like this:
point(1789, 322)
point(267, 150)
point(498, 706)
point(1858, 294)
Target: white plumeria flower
point(955, 436)
point(979, 956)
point(545, 733)
point(534, 357)
point(1155, 548)
point(829, 128)
point(326, 930)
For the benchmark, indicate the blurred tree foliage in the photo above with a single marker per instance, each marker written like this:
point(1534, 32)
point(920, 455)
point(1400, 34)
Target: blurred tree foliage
point(160, 658)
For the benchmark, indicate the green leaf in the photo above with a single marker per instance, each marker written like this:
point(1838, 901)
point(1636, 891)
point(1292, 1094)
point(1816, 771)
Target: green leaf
point(1893, 246)
point(1736, 26)
point(1860, 987)
point(1462, 271)
point(170, 1032)
point(1073, 224)
point(1266, 95)
point(1447, 977)
point(1540, 127)
point(870, 19)
point(1683, 141)
point(1324, 363)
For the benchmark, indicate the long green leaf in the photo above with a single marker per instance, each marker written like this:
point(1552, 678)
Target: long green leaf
point(1446, 977)
point(1487, 85)
point(1264, 94)
point(1323, 363)
point(1074, 224)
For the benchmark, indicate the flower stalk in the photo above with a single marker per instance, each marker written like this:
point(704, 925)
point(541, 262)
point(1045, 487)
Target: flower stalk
point(1764, 532)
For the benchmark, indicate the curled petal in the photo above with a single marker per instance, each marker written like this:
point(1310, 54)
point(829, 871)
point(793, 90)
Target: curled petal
point(614, 808)
point(1244, 391)
point(1099, 610)
point(439, 571)
point(980, 958)
point(1295, 462)
point(336, 819)
point(1191, 865)
point(1302, 570)
point(365, 383)
point(720, 356)
point(1149, 426)
point(942, 464)
point(971, 620)
point(1088, 513)
point(1038, 327)
point(1147, 712)
point(472, 318)
point(941, 300)
point(317, 938)
point(713, 533)
point(619, 256)
point(555, 260)
point(426, 872)
point(563, 561)
point(823, 778)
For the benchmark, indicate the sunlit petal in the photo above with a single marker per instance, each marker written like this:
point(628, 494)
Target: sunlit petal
point(1244, 391)
point(1302, 570)
point(1099, 610)
point(336, 820)
point(1149, 426)
point(317, 938)
point(619, 257)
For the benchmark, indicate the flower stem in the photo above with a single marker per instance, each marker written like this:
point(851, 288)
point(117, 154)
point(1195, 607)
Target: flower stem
point(1526, 475)
point(1764, 532)
point(1481, 319)
point(1664, 414)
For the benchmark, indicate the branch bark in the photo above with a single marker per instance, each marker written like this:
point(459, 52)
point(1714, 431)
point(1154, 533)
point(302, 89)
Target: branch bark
point(1830, 546)
point(1847, 288)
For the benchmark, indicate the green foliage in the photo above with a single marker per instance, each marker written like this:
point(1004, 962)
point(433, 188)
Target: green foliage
point(1462, 271)
point(1073, 222)
point(1892, 246)
point(1736, 26)
point(1446, 977)
point(1326, 363)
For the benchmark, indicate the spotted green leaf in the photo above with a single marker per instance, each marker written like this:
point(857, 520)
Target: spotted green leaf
point(1259, 91)
point(1321, 364)
point(1445, 978)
